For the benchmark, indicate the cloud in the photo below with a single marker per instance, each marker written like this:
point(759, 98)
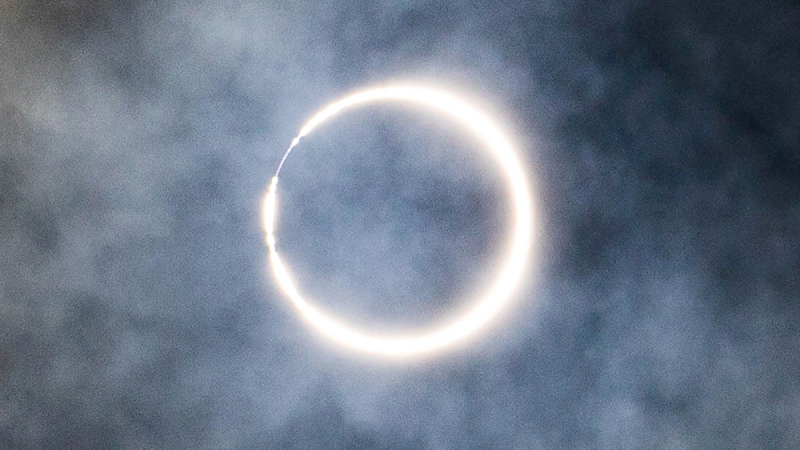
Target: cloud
point(136, 140)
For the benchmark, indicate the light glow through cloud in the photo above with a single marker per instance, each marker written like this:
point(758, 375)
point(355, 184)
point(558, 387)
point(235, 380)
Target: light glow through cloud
point(512, 266)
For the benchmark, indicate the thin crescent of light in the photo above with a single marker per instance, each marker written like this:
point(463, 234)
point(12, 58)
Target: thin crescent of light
point(512, 269)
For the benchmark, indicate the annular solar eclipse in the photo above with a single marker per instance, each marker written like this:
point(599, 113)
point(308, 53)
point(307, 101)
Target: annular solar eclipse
point(511, 267)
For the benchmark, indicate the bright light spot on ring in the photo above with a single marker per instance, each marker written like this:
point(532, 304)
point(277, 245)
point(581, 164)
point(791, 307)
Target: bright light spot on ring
point(512, 267)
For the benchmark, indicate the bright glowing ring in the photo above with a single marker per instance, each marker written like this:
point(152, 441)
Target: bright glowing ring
point(512, 269)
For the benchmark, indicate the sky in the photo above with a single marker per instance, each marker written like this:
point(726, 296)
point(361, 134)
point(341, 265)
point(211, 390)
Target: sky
point(137, 310)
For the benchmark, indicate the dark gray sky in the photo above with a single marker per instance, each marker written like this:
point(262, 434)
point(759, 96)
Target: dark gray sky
point(136, 307)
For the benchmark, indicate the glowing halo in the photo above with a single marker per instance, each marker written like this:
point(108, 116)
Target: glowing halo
point(510, 274)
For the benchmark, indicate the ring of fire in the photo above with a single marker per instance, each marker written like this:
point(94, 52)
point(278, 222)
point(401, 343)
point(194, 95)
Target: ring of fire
point(511, 268)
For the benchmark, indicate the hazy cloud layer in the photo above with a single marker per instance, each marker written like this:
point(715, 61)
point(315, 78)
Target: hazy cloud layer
point(136, 140)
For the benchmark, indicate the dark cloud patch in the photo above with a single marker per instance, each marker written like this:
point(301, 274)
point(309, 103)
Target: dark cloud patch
point(74, 20)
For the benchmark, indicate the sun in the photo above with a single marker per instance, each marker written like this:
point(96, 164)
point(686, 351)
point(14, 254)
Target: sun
point(514, 262)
